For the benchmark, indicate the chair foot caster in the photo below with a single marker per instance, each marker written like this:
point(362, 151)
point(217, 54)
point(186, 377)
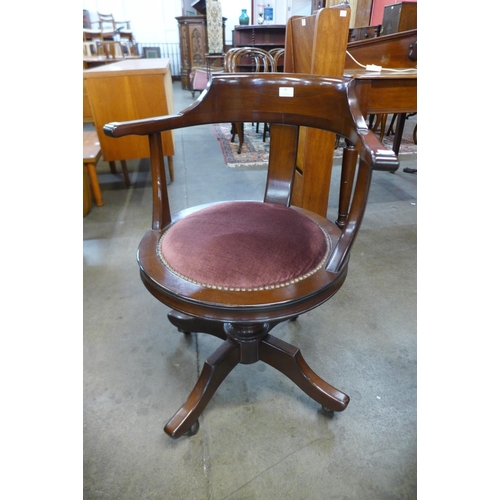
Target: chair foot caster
point(327, 410)
point(410, 170)
point(194, 429)
point(183, 331)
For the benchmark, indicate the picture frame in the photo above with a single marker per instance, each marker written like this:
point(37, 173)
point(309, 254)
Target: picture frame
point(90, 49)
point(151, 52)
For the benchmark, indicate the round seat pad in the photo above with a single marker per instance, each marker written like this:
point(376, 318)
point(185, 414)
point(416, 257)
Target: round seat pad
point(244, 246)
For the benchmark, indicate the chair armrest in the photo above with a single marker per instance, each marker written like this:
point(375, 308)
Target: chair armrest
point(381, 157)
point(145, 126)
point(373, 156)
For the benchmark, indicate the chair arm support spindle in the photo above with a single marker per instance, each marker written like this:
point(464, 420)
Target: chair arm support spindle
point(161, 208)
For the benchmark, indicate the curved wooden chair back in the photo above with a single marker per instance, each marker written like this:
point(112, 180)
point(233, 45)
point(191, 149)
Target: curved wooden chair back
point(278, 55)
point(261, 60)
point(107, 22)
point(109, 27)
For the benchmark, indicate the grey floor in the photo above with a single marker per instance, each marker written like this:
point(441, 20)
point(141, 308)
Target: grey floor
point(260, 436)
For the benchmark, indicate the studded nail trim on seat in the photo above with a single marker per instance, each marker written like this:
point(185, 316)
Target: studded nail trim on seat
point(244, 246)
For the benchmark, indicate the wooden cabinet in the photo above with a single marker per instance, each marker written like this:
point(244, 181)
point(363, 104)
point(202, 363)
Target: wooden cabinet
point(130, 90)
point(263, 36)
point(194, 45)
point(267, 37)
point(399, 17)
point(363, 33)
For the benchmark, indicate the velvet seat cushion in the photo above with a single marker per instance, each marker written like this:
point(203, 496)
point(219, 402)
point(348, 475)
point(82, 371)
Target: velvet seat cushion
point(244, 246)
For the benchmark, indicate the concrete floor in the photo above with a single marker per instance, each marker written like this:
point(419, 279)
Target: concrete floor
point(260, 436)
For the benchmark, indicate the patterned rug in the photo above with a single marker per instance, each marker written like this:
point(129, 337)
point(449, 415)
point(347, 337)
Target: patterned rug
point(255, 152)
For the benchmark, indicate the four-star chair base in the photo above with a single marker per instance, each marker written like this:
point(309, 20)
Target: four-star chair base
point(245, 344)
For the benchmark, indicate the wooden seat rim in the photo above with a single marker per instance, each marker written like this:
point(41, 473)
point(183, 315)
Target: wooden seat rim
point(186, 297)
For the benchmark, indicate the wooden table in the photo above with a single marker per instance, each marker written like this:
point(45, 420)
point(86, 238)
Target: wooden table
point(130, 90)
point(386, 92)
point(383, 92)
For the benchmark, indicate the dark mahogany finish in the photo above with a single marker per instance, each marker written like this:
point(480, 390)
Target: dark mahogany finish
point(243, 319)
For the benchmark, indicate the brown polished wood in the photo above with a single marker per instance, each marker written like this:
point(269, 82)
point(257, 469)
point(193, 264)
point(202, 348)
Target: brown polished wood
point(364, 33)
point(310, 48)
point(387, 91)
point(243, 319)
point(389, 51)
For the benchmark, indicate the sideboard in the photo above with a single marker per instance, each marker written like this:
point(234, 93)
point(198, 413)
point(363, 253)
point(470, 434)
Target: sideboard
point(130, 90)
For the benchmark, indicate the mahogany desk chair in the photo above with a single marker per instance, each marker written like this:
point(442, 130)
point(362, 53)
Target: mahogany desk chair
point(236, 269)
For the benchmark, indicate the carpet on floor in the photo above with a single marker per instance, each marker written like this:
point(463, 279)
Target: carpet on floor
point(255, 151)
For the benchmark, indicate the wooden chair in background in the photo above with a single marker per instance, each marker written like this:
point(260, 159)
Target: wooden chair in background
point(251, 59)
point(109, 28)
point(278, 54)
point(236, 269)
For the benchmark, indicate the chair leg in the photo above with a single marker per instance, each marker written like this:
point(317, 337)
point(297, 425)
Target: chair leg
point(247, 345)
point(112, 168)
point(390, 130)
point(125, 172)
point(383, 121)
point(398, 134)
point(239, 131)
point(217, 367)
point(170, 160)
point(288, 360)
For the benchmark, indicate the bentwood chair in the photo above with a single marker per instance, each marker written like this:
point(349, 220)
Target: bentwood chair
point(259, 61)
point(236, 269)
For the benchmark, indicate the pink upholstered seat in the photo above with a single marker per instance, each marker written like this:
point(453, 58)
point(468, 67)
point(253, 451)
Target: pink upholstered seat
point(244, 246)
